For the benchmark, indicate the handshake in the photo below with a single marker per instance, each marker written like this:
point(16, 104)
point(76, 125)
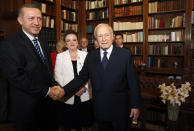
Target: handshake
point(56, 92)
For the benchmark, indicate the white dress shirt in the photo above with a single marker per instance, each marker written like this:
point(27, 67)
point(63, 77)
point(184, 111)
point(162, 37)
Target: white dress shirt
point(109, 50)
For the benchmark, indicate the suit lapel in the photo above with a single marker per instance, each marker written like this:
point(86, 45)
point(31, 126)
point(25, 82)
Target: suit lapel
point(98, 64)
point(112, 57)
point(44, 50)
point(31, 48)
point(28, 43)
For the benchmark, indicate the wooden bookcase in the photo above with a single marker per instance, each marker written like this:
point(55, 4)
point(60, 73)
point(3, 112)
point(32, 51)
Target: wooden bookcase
point(167, 56)
point(96, 12)
point(166, 37)
point(169, 21)
point(128, 20)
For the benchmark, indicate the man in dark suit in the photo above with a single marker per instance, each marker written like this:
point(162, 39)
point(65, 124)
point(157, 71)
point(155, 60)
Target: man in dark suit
point(84, 45)
point(119, 40)
point(112, 75)
point(27, 66)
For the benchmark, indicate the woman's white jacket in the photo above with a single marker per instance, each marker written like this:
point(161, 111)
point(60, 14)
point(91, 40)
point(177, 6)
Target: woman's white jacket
point(64, 71)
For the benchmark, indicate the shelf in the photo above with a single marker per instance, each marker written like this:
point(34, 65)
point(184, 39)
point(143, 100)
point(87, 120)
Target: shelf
point(69, 21)
point(90, 33)
point(48, 14)
point(127, 17)
point(132, 43)
point(167, 71)
point(129, 4)
point(167, 12)
point(167, 55)
point(163, 29)
point(123, 31)
point(51, 40)
point(48, 28)
point(46, 2)
point(137, 55)
point(160, 42)
point(97, 9)
point(67, 8)
point(96, 20)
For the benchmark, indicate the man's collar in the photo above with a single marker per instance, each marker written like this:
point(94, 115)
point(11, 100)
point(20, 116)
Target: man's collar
point(28, 35)
point(109, 50)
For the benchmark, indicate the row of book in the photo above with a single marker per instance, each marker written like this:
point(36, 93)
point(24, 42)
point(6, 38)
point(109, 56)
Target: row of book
point(91, 39)
point(89, 28)
point(45, 8)
point(166, 5)
point(69, 4)
point(157, 23)
point(164, 62)
point(137, 62)
point(128, 11)
point(68, 15)
point(178, 21)
point(192, 17)
point(96, 4)
point(119, 26)
point(48, 22)
point(165, 49)
point(120, 2)
point(172, 36)
point(136, 49)
point(134, 37)
point(52, 46)
point(47, 35)
point(68, 26)
point(102, 14)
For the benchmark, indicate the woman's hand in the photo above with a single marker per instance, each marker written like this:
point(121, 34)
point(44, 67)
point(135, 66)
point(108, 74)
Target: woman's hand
point(81, 91)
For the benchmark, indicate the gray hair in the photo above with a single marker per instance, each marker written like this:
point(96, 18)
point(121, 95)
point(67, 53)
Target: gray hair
point(102, 24)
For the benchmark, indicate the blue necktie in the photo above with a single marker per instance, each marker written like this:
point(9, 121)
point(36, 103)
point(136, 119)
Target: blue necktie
point(105, 60)
point(35, 42)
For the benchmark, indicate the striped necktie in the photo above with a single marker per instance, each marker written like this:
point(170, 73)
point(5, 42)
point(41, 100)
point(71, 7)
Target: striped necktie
point(35, 42)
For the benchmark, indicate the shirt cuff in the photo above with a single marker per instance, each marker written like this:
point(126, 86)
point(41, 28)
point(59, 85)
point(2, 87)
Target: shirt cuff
point(48, 92)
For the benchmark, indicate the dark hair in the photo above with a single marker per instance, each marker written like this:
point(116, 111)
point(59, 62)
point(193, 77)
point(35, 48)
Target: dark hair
point(118, 34)
point(21, 13)
point(70, 32)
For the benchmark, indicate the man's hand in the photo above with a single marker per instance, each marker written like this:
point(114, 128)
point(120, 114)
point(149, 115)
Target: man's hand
point(81, 91)
point(56, 92)
point(134, 114)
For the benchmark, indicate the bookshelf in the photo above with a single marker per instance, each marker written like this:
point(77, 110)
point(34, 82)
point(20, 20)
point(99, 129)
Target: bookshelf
point(166, 31)
point(157, 32)
point(162, 30)
point(128, 20)
point(68, 16)
point(96, 12)
point(192, 38)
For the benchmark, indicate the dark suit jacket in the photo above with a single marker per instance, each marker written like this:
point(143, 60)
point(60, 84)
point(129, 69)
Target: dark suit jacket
point(110, 87)
point(28, 77)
